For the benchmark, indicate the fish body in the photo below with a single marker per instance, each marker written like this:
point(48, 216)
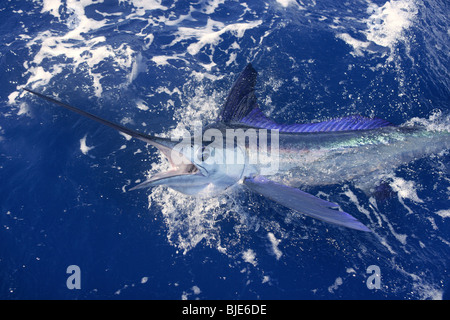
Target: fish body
point(318, 159)
point(246, 148)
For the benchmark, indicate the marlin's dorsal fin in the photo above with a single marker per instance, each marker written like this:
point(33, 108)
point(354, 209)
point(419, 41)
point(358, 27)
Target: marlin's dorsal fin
point(241, 99)
point(257, 119)
point(241, 107)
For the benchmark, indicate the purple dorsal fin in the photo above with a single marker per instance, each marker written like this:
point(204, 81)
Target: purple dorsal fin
point(241, 107)
point(256, 118)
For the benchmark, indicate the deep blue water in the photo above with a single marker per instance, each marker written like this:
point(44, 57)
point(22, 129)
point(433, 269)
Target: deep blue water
point(152, 65)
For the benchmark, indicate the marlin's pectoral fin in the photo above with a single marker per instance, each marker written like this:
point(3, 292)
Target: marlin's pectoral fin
point(303, 202)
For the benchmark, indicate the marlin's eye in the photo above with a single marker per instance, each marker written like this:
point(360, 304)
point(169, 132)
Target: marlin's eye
point(204, 153)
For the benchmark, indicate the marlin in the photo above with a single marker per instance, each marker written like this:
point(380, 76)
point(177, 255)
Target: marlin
point(351, 148)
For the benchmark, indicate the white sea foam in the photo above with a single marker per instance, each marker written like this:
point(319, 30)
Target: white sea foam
point(381, 219)
point(358, 46)
point(210, 6)
point(141, 105)
point(195, 290)
point(353, 198)
point(426, 290)
point(141, 6)
point(164, 60)
point(445, 213)
point(437, 121)
point(275, 242)
point(249, 256)
point(76, 50)
point(405, 189)
point(290, 3)
point(338, 282)
point(23, 109)
point(386, 24)
point(51, 6)
point(144, 280)
point(199, 104)
point(385, 27)
point(83, 147)
point(211, 33)
point(189, 220)
point(12, 97)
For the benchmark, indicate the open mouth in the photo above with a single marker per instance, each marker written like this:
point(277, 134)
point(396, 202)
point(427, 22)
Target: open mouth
point(180, 165)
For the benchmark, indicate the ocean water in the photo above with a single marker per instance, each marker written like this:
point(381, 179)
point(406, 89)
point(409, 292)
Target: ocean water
point(160, 66)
